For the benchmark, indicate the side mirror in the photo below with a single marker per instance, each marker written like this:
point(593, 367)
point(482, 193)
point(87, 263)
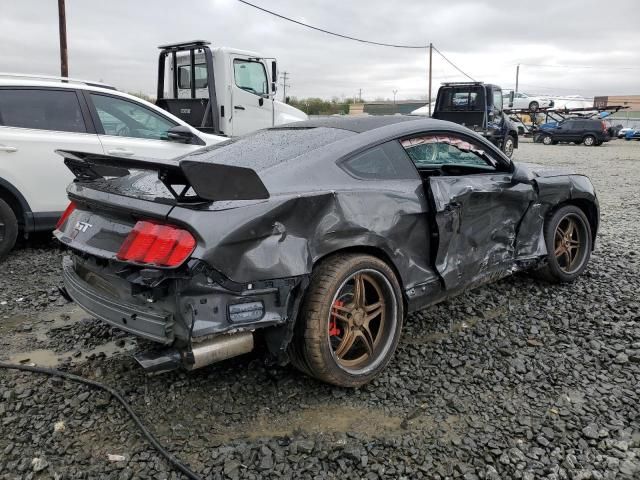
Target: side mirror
point(521, 174)
point(182, 134)
point(511, 97)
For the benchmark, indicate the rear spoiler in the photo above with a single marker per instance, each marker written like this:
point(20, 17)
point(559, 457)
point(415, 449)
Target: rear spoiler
point(187, 180)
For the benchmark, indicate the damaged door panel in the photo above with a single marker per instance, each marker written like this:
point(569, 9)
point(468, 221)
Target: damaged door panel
point(314, 239)
point(478, 218)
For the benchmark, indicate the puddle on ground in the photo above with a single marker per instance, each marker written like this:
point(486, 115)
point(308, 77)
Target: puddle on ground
point(49, 358)
point(41, 358)
point(324, 419)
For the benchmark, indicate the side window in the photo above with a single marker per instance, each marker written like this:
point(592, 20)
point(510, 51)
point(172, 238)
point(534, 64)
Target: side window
point(497, 99)
point(184, 76)
point(128, 119)
point(57, 110)
point(434, 151)
point(384, 162)
point(569, 125)
point(250, 76)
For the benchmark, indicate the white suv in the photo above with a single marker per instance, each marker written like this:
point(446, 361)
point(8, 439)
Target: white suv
point(41, 114)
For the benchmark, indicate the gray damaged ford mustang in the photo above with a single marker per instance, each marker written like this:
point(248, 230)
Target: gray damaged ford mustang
point(311, 240)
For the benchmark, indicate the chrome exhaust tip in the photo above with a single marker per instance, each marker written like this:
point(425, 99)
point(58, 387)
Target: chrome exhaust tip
point(218, 349)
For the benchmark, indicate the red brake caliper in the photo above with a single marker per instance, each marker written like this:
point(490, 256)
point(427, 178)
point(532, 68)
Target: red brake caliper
point(333, 324)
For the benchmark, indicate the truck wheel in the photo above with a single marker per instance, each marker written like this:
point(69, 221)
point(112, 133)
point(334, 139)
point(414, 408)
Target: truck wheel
point(350, 321)
point(547, 140)
point(509, 145)
point(567, 235)
point(589, 141)
point(533, 106)
point(8, 228)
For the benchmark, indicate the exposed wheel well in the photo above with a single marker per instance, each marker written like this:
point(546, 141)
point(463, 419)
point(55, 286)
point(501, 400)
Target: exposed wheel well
point(368, 250)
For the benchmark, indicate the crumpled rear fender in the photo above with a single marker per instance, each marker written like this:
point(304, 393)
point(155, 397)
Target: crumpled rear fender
point(286, 235)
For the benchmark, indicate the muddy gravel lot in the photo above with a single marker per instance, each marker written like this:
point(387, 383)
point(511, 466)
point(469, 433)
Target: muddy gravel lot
point(516, 380)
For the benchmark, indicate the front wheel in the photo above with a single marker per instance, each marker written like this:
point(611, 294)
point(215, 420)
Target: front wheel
point(508, 147)
point(567, 236)
point(547, 140)
point(8, 228)
point(533, 106)
point(350, 321)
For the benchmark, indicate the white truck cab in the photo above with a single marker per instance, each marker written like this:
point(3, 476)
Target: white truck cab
point(224, 91)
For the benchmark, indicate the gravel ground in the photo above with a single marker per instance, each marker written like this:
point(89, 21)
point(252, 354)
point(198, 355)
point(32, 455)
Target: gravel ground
point(516, 380)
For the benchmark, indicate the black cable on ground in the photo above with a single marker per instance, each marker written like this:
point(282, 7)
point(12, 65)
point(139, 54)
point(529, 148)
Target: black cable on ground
point(179, 466)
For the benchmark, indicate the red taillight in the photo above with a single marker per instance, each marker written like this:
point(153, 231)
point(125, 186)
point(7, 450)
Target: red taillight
point(604, 127)
point(63, 218)
point(155, 244)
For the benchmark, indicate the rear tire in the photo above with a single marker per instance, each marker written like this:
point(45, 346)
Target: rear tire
point(567, 235)
point(344, 337)
point(533, 106)
point(8, 228)
point(589, 141)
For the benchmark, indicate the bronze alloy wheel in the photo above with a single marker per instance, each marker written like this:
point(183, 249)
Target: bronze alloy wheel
point(569, 243)
point(350, 320)
point(362, 321)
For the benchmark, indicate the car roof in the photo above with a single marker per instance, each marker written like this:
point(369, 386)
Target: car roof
point(31, 80)
point(324, 139)
point(357, 124)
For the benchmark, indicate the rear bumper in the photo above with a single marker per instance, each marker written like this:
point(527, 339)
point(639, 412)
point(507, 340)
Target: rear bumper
point(152, 324)
point(185, 308)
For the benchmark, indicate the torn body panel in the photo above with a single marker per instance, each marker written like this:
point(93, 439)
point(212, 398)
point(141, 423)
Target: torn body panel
point(478, 221)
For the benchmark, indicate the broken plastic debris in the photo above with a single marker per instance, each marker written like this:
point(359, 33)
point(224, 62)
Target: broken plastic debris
point(116, 458)
point(59, 426)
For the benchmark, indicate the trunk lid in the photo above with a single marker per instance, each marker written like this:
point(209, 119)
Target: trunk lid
point(112, 194)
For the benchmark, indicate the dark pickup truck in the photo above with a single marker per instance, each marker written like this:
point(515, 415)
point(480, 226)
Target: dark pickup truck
point(477, 106)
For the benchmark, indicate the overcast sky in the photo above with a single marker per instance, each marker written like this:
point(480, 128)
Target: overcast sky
point(115, 41)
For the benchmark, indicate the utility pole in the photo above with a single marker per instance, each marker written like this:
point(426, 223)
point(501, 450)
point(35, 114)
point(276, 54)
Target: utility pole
point(62, 20)
point(360, 95)
point(394, 96)
point(284, 86)
point(517, 76)
point(430, 63)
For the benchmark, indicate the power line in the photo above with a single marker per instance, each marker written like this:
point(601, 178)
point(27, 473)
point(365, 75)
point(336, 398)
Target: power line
point(332, 33)
point(604, 67)
point(454, 65)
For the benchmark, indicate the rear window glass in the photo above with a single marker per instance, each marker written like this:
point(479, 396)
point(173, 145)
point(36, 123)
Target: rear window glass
point(461, 98)
point(184, 76)
point(57, 110)
point(266, 148)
